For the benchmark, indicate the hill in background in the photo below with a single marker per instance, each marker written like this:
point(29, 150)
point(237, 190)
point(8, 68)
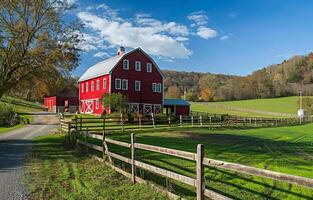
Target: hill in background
point(285, 79)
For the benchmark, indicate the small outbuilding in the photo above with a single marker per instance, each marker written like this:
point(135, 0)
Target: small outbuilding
point(66, 101)
point(176, 107)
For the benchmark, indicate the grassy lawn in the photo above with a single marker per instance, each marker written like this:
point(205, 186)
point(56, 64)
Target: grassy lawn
point(286, 105)
point(56, 172)
point(283, 149)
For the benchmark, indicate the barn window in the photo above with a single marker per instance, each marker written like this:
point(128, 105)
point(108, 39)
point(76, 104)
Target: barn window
point(92, 86)
point(104, 83)
point(117, 83)
point(82, 88)
point(158, 87)
point(153, 87)
point(98, 84)
point(87, 87)
point(138, 66)
point(125, 64)
point(124, 84)
point(147, 109)
point(137, 86)
point(149, 67)
point(135, 107)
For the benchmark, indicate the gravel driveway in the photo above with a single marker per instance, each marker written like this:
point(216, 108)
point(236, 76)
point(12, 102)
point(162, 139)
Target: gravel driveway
point(14, 145)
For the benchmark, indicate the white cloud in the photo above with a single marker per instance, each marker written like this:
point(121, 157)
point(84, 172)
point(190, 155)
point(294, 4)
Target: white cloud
point(164, 39)
point(101, 54)
point(199, 17)
point(224, 37)
point(206, 33)
point(200, 21)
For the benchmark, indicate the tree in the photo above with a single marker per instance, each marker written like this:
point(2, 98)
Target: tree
point(173, 92)
point(115, 101)
point(35, 42)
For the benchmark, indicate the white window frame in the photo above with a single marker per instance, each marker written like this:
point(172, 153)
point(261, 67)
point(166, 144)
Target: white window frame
point(87, 86)
point(149, 67)
point(145, 109)
point(158, 87)
point(104, 81)
point(92, 87)
point(82, 88)
point(98, 85)
point(120, 83)
point(139, 65)
point(154, 87)
point(139, 86)
point(126, 85)
point(126, 64)
point(157, 108)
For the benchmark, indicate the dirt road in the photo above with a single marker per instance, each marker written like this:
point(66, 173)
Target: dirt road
point(14, 146)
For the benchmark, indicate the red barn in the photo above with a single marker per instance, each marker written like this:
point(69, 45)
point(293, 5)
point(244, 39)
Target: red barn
point(66, 101)
point(133, 73)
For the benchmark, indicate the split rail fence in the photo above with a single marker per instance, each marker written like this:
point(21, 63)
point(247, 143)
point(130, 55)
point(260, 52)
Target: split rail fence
point(196, 119)
point(198, 157)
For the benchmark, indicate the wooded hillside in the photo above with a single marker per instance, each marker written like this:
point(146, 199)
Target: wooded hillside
point(278, 80)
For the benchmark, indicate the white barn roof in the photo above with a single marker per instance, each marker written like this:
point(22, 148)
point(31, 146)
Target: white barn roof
point(106, 66)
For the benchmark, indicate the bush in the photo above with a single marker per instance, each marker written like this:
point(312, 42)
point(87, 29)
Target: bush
point(7, 116)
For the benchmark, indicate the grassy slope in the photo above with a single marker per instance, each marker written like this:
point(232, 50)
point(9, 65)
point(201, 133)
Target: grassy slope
point(283, 149)
point(24, 112)
point(54, 172)
point(281, 105)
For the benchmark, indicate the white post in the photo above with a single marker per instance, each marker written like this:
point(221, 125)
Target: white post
point(200, 120)
point(192, 120)
point(180, 120)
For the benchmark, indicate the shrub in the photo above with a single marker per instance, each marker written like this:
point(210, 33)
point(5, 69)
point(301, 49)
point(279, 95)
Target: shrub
point(7, 116)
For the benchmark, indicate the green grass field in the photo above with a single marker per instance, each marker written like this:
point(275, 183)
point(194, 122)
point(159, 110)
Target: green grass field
point(56, 172)
point(284, 149)
point(253, 107)
point(23, 111)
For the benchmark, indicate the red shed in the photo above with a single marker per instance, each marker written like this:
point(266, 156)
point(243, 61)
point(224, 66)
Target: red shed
point(66, 101)
point(177, 107)
point(133, 73)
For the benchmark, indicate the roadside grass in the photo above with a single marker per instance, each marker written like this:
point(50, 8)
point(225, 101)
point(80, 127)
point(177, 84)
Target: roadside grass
point(282, 149)
point(286, 105)
point(56, 172)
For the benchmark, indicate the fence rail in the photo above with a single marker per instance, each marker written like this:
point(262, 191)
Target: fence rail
point(196, 119)
point(198, 157)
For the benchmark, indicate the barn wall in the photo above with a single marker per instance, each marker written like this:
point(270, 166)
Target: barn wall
point(93, 95)
point(50, 103)
point(182, 110)
point(145, 95)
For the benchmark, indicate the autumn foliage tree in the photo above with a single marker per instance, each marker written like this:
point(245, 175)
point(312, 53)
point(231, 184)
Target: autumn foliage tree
point(35, 42)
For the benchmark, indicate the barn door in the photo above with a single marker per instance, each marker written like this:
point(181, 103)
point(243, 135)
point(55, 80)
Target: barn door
point(89, 107)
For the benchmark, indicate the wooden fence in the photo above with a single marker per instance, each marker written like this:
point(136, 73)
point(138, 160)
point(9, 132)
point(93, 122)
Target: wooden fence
point(197, 119)
point(198, 157)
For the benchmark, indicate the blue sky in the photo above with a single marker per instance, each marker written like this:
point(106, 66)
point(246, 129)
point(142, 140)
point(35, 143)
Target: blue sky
point(229, 37)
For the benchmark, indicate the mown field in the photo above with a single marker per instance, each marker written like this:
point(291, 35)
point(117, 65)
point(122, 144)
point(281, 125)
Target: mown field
point(56, 172)
point(252, 108)
point(284, 149)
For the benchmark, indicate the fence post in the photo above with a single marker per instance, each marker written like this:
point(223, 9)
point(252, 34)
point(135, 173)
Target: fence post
point(200, 184)
point(133, 157)
point(86, 139)
point(81, 124)
point(76, 124)
point(103, 140)
point(192, 120)
point(200, 120)
point(180, 120)
point(169, 121)
point(139, 119)
point(152, 118)
point(122, 122)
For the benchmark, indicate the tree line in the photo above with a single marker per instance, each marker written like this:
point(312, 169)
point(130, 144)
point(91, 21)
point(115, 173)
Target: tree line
point(279, 80)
